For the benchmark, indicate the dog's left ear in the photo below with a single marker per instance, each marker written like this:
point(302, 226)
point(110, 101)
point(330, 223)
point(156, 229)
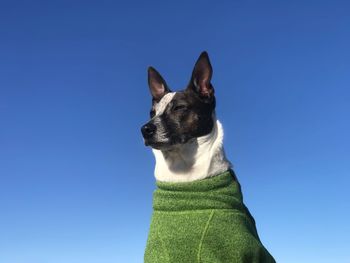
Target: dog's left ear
point(201, 77)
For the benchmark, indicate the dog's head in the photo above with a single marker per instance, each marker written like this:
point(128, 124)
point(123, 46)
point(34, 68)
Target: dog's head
point(178, 117)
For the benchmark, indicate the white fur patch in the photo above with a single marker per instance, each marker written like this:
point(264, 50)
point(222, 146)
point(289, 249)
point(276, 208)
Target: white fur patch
point(198, 159)
point(161, 105)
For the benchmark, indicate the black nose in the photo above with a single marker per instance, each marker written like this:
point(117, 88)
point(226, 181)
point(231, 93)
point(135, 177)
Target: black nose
point(148, 130)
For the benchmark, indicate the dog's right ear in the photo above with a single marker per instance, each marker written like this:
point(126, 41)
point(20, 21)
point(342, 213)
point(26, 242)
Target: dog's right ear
point(157, 84)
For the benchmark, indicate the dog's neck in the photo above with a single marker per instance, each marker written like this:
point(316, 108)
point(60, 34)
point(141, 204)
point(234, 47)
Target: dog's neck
point(197, 159)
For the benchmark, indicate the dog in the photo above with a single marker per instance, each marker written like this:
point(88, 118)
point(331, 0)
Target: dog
point(198, 210)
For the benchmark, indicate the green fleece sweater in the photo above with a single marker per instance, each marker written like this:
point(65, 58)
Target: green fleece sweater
point(203, 221)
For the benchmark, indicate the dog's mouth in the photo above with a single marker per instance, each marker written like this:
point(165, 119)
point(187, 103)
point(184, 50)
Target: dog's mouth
point(166, 144)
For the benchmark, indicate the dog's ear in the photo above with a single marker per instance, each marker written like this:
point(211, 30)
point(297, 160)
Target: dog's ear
point(201, 77)
point(157, 84)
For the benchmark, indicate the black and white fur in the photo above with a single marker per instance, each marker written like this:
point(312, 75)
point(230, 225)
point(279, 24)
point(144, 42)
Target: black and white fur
point(185, 136)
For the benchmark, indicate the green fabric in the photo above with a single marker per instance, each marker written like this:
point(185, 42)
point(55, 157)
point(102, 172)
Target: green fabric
point(203, 221)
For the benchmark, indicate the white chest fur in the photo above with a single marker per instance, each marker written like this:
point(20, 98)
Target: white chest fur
point(198, 159)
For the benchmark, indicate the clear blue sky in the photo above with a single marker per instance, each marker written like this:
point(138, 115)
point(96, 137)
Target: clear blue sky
point(76, 180)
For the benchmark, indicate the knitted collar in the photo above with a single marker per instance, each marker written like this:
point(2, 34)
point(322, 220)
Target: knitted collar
point(218, 192)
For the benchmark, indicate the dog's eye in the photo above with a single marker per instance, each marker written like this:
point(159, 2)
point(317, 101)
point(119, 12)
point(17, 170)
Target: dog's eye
point(152, 113)
point(179, 107)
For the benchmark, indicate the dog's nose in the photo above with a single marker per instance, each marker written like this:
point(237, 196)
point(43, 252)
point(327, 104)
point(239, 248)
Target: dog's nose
point(148, 130)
